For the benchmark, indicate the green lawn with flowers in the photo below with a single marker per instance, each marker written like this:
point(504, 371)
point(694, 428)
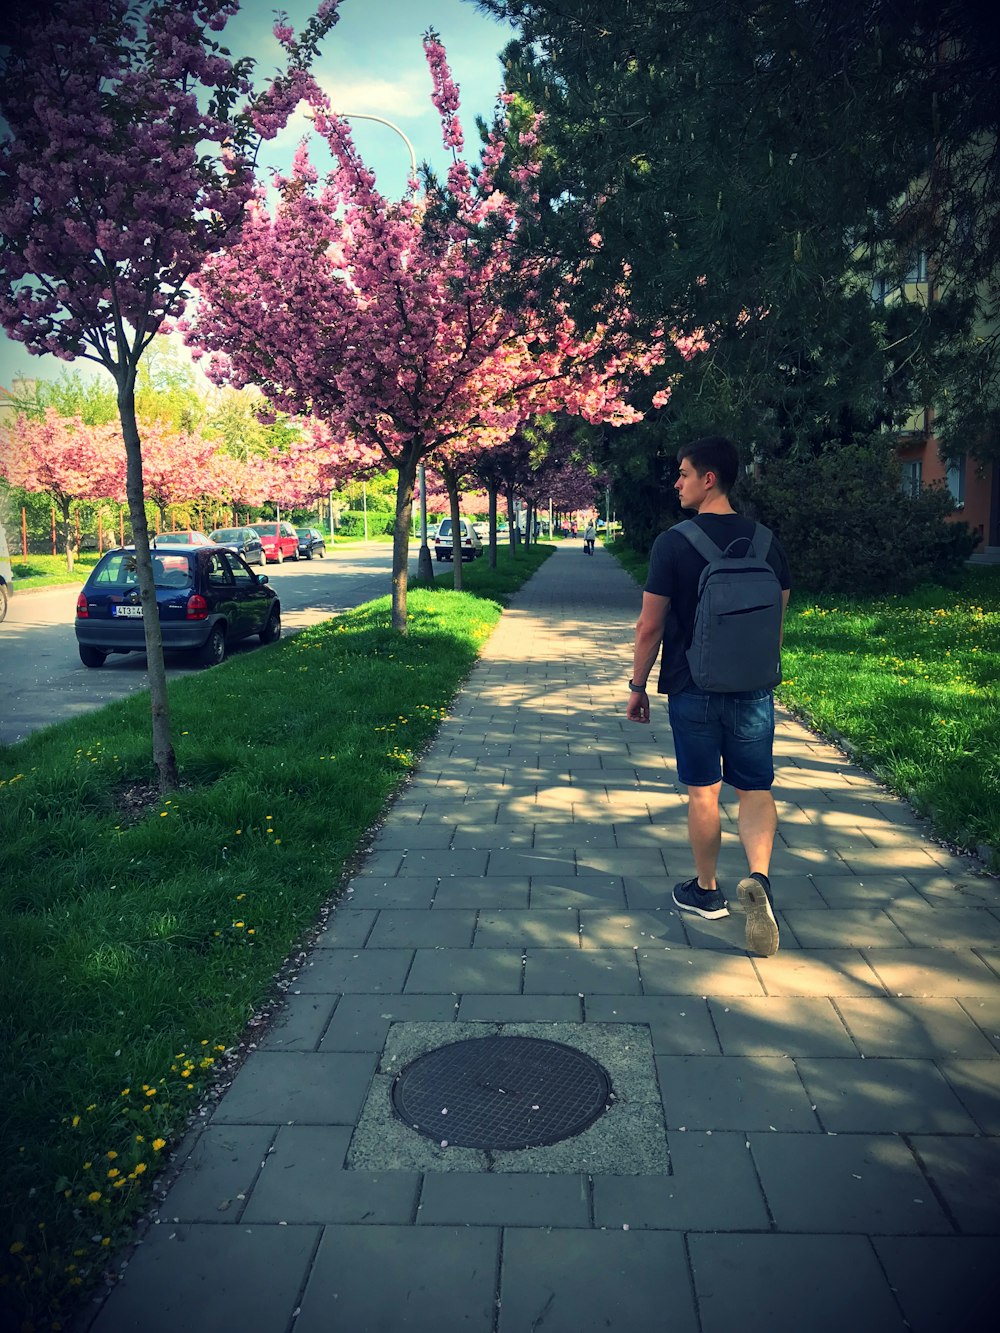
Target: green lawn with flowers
point(910, 683)
point(139, 934)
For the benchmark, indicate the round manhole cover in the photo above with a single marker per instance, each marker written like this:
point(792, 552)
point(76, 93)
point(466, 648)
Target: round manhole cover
point(501, 1093)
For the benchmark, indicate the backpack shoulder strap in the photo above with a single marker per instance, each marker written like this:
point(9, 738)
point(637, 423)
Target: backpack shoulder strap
point(761, 541)
point(702, 544)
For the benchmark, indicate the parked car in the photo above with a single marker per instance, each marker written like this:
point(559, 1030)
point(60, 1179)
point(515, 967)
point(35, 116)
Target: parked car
point(244, 541)
point(6, 575)
point(311, 542)
point(186, 537)
point(280, 540)
point(207, 598)
point(469, 541)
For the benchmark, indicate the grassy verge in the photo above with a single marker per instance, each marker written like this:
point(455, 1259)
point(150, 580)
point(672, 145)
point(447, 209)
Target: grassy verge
point(49, 571)
point(909, 685)
point(138, 935)
point(478, 578)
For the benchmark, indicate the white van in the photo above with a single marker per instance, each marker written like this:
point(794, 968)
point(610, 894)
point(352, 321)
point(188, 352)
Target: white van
point(6, 574)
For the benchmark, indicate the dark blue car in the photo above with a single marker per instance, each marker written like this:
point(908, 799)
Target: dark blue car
point(207, 598)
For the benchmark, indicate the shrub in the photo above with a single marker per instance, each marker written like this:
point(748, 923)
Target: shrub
point(352, 523)
point(847, 526)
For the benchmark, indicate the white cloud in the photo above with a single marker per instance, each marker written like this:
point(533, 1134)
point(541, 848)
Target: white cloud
point(408, 95)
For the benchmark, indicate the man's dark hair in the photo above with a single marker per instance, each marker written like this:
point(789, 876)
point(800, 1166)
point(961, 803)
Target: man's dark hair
point(713, 453)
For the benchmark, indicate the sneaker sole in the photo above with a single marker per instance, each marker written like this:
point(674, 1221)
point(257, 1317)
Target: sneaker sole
point(762, 929)
point(698, 911)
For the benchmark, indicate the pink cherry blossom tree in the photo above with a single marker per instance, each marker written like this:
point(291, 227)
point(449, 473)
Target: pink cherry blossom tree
point(66, 460)
point(126, 157)
point(405, 326)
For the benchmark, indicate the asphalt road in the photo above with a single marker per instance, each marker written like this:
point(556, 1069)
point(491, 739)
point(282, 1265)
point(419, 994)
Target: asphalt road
point(42, 679)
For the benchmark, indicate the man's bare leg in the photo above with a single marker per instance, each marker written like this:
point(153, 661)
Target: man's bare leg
point(705, 831)
point(758, 824)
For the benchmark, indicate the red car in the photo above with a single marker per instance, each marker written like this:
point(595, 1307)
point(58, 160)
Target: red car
point(279, 540)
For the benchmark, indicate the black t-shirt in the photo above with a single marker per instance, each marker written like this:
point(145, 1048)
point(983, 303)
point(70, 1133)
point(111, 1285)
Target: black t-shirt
point(674, 569)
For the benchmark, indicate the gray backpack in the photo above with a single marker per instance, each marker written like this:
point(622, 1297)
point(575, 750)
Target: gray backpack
point(736, 644)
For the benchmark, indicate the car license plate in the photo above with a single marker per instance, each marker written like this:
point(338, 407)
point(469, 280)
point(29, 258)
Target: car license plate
point(128, 611)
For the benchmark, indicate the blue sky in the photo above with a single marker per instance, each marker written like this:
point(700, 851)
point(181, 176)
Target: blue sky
point(372, 61)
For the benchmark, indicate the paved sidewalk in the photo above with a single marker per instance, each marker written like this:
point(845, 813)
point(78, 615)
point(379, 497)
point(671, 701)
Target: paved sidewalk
point(824, 1125)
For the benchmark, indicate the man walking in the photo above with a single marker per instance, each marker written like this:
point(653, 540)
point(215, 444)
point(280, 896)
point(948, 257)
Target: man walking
point(718, 736)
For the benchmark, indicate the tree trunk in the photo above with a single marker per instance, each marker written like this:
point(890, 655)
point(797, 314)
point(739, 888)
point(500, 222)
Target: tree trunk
point(163, 751)
point(529, 523)
point(401, 535)
point(491, 491)
point(512, 533)
point(451, 484)
point(70, 544)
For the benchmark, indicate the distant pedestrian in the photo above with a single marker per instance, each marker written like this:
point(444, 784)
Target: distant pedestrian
point(589, 538)
point(718, 736)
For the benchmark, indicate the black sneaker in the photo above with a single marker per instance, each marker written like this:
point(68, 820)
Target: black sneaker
point(762, 928)
point(706, 902)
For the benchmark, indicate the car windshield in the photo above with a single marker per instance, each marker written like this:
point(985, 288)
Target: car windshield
point(445, 529)
point(304, 532)
point(265, 529)
point(227, 535)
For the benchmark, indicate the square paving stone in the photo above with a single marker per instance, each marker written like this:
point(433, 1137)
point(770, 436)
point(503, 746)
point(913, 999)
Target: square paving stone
point(676, 971)
point(821, 1283)
point(300, 1023)
point(203, 1278)
point(520, 1009)
point(576, 971)
point(493, 893)
point(595, 1281)
point(884, 1097)
point(985, 1013)
point(945, 972)
point(841, 890)
point(590, 891)
point(846, 928)
point(378, 893)
point(220, 1168)
point(944, 1282)
point(614, 861)
point(915, 1028)
point(545, 863)
point(409, 837)
point(779, 1025)
point(398, 1279)
point(558, 928)
point(475, 1199)
point(303, 1180)
point(495, 837)
point(347, 928)
point(630, 930)
point(457, 971)
point(315, 1089)
point(421, 929)
point(678, 1025)
point(733, 1092)
point(445, 865)
point(966, 1172)
point(831, 972)
point(946, 928)
point(837, 1183)
point(712, 1186)
point(354, 970)
point(977, 1083)
point(956, 888)
point(361, 1022)
point(580, 835)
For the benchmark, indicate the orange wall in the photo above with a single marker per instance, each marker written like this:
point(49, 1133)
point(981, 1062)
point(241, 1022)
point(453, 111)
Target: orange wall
point(978, 483)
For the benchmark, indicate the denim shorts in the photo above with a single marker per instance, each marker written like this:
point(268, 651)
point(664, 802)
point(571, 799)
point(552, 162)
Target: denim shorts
point(727, 736)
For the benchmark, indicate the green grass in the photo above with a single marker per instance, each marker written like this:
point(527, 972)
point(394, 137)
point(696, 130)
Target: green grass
point(909, 683)
point(138, 935)
point(477, 576)
point(49, 571)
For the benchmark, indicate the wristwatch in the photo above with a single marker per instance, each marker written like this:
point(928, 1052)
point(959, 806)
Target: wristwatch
point(636, 689)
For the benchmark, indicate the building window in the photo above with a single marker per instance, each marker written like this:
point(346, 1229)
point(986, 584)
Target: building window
point(918, 269)
point(912, 475)
point(955, 477)
point(882, 289)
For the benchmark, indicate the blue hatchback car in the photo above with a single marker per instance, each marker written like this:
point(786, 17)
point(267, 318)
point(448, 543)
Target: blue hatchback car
point(207, 598)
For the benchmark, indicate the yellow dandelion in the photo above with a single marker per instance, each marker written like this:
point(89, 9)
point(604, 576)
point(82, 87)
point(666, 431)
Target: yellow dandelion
point(113, 1172)
point(76, 1121)
point(105, 1240)
point(139, 1168)
point(111, 1154)
point(158, 1144)
point(87, 1165)
point(94, 1196)
point(17, 1247)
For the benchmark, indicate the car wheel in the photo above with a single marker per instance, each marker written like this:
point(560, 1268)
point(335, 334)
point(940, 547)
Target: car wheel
point(295, 555)
point(271, 632)
point(309, 555)
point(438, 556)
point(213, 650)
point(91, 657)
point(4, 599)
point(279, 557)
